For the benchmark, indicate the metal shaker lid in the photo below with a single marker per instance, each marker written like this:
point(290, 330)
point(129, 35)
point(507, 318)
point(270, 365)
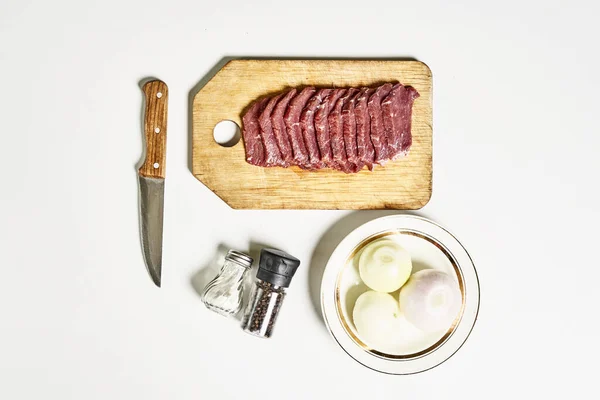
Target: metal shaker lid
point(240, 258)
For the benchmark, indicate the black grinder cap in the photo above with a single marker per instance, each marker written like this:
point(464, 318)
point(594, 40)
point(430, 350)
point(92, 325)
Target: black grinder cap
point(277, 267)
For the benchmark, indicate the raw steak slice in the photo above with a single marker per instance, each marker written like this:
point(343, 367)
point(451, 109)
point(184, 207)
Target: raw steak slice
point(322, 126)
point(366, 152)
point(272, 153)
point(292, 123)
point(279, 129)
point(349, 130)
point(378, 137)
point(397, 116)
point(338, 147)
point(255, 151)
point(307, 123)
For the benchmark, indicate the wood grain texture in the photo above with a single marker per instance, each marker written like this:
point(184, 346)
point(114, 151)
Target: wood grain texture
point(155, 129)
point(401, 184)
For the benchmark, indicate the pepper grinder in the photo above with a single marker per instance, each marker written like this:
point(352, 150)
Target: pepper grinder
point(275, 272)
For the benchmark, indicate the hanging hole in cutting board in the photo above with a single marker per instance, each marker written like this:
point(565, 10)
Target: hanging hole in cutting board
point(227, 133)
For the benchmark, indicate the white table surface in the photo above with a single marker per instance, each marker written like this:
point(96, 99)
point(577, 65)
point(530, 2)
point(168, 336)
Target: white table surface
point(516, 144)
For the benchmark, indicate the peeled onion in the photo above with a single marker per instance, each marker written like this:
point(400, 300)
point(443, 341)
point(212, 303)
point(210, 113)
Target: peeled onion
point(374, 316)
point(430, 300)
point(384, 265)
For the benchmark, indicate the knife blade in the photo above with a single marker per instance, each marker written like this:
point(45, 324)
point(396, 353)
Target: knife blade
point(151, 176)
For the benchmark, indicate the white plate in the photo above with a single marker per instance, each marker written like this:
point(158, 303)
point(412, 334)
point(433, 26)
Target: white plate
point(430, 246)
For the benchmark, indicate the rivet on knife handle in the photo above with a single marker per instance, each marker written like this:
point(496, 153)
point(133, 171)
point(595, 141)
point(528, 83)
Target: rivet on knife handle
point(155, 129)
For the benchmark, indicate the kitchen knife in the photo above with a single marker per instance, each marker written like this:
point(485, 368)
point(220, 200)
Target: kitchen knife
point(152, 176)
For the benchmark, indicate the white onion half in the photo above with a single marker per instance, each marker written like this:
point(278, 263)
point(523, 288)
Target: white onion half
point(374, 317)
point(430, 300)
point(384, 265)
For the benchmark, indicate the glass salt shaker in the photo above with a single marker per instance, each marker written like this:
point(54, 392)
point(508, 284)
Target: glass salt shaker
point(224, 293)
point(274, 275)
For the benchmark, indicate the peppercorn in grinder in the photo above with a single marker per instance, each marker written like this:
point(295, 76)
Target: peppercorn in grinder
point(275, 271)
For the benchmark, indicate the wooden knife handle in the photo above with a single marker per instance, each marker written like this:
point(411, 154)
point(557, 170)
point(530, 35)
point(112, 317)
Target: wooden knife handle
point(155, 129)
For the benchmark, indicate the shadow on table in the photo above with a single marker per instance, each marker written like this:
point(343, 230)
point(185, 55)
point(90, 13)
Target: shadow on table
point(210, 270)
point(330, 240)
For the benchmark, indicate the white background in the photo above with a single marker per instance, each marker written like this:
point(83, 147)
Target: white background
point(516, 144)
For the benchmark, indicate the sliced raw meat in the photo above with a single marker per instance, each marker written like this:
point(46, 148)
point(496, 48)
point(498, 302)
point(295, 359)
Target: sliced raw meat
point(349, 130)
point(341, 128)
point(335, 123)
point(322, 126)
point(292, 124)
point(378, 137)
point(279, 129)
point(397, 116)
point(272, 153)
point(366, 152)
point(255, 150)
point(307, 123)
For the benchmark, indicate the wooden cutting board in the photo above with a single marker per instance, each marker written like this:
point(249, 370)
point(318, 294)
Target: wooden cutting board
point(400, 184)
